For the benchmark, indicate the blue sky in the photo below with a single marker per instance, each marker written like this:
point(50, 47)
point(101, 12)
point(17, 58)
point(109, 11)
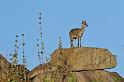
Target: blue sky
point(104, 17)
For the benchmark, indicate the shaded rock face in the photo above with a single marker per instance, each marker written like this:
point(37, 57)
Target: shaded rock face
point(41, 69)
point(85, 58)
point(98, 76)
point(5, 70)
point(4, 66)
point(82, 76)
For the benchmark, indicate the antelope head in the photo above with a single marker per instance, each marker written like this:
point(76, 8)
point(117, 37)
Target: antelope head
point(84, 23)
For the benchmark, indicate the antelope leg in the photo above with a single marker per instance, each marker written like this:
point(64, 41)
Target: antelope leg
point(71, 43)
point(78, 42)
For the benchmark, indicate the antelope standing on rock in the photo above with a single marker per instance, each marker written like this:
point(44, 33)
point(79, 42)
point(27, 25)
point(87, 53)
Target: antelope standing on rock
point(77, 33)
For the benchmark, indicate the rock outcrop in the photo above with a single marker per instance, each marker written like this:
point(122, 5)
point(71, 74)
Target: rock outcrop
point(69, 65)
point(85, 58)
point(77, 65)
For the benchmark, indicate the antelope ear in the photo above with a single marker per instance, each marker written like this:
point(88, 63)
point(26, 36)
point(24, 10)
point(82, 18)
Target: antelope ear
point(83, 21)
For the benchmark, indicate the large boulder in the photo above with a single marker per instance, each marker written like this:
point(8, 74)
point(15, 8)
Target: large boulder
point(85, 58)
